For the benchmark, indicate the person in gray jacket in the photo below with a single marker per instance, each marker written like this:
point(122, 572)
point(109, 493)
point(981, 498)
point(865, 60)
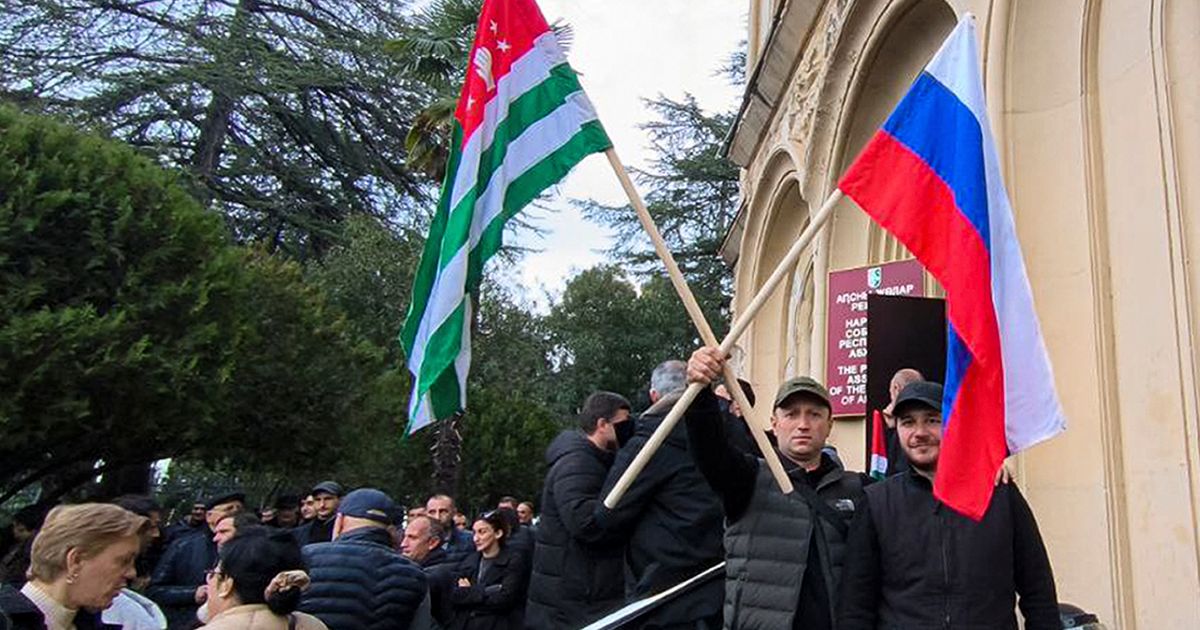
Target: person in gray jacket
point(783, 553)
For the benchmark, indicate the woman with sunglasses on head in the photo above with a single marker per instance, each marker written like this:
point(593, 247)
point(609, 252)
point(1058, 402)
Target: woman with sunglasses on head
point(256, 585)
point(490, 592)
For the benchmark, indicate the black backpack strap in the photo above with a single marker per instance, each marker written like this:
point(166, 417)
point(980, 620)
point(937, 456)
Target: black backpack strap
point(822, 508)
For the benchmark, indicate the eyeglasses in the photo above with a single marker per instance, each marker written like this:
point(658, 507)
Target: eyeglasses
point(213, 573)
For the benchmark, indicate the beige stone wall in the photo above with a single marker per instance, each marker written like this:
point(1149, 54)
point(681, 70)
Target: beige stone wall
point(1096, 110)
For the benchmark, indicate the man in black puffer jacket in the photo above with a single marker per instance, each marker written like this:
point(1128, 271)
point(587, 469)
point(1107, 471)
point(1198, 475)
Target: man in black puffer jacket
point(577, 571)
point(359, 582)
point(672, 519)
point(783, 553)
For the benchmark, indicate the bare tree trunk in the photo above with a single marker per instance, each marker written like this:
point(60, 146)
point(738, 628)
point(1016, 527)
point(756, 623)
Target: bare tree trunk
point(447, 455)
point(447, 448)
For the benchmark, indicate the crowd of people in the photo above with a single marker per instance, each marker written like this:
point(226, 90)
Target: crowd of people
point(841, 551)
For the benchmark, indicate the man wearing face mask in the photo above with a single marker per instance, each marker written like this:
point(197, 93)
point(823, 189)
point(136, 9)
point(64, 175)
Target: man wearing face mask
point(577, 570)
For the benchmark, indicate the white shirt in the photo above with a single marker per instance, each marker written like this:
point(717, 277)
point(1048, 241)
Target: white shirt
point(134, 612)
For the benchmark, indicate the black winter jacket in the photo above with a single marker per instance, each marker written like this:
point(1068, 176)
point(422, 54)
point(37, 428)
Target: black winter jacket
point(314, 531)
point(672, 521)
point(21, 613)
point(496, 602)
point(459, 544)
point(180, 572)
point(441, 574)
point(914, 563)
point(360, 583)
point(578, 573)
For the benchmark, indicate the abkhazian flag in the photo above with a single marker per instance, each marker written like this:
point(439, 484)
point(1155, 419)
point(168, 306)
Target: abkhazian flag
point(521, 124)
point(879, 459)
point(931, 177)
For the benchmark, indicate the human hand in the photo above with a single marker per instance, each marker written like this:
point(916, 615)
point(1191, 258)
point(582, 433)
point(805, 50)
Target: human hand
point(705, 365)
point(201, 594)
point(288, 580)
point(464, 582)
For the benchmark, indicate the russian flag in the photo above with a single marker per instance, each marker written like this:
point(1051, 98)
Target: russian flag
point(931, 177)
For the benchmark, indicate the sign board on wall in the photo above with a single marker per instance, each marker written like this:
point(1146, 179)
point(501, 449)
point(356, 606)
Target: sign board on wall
point(846, 334)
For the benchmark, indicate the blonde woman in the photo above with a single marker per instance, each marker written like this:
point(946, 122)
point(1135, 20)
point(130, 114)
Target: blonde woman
point(81, 559)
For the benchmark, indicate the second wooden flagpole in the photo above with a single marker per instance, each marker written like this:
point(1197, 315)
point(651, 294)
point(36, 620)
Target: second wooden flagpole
point(750, 415)
point(735, 332)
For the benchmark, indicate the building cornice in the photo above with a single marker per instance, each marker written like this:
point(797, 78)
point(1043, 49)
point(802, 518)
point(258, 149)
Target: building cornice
point(768, 83)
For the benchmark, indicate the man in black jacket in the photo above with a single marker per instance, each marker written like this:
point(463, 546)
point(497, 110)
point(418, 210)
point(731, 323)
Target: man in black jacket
point(326, 497)
point(458, 543)
point(177, 584)
point(358, 581)
point(422, 544)
point(914, 563)
point(783, 553)
point(670, 518)
point(577, 571)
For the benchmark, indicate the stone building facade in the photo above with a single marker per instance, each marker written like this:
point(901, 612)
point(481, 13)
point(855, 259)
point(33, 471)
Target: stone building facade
point(1095, 105)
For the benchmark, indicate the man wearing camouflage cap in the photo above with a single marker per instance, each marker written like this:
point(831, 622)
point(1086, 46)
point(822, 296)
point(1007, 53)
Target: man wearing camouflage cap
point(783, 553)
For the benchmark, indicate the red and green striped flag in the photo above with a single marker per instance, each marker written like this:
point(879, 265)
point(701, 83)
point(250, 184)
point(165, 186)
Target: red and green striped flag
point(522, 123)
point(879, 458)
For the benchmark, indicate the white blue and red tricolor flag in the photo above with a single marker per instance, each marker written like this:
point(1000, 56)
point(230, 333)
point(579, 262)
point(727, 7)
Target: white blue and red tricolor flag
point(931, 177)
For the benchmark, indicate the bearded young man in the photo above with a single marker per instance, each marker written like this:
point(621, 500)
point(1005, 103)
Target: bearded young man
point(914, 563)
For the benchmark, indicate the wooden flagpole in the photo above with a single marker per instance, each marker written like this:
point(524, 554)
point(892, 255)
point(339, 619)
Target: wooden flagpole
point(735, 332)
point(750, 415)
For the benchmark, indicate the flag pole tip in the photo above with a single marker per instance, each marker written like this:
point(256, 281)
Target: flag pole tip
point(969, 17)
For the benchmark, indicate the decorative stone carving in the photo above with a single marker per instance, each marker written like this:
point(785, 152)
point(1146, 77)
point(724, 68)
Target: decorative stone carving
point(804, 94)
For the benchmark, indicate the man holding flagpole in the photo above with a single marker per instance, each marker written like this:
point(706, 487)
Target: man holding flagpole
point(783, 552)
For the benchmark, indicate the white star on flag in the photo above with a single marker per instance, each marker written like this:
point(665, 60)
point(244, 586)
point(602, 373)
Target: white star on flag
point(495, 27)
point(470, 102)
point(503, 45)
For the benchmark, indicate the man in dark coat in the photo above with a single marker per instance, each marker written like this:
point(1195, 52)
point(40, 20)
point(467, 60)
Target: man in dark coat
point(670, 517)
point(577, 571)
point(783, 553)
point(422, 543)
point(359, 582)
point(896, 461)
point(193, 523)
point(177, 582)
point(326, 497)
point(458, 543)
point(914, 563)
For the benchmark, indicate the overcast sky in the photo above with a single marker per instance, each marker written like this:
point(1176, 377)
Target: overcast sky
point(627, 50)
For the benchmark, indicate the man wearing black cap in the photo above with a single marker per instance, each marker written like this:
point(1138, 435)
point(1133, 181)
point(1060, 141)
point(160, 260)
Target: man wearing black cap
point(783, 553)
point(326, 496)
point(177, 584)
point(358, 579)
point(935, 567)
